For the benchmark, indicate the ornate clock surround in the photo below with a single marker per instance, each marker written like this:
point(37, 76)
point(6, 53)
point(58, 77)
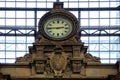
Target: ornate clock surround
point(63, 57)
point(58, 11)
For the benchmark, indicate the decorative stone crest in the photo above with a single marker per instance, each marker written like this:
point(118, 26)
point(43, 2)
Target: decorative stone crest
point(58, 63)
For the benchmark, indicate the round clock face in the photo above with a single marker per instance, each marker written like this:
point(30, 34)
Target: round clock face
point(58, 27)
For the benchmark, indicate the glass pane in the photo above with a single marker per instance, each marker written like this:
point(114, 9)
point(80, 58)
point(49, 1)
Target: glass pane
point(84, 22)
point(84, 14)
point(114, 39)
point(75, 13)
point(2, 4)
point(30, 14)
point(104, 39)
point(10, 4)
point(21, 47)
point(104, 55)
point(10, 46)
point(2, 14)
point(2, 47)
point(113, 4)
point(31, 4)
point(20, 54)
point(104, 47)
point(104, 14)
point(40, 13)
point(10, 39)
point(83, 5)
point(20, 22)
point(114, 55)
point(28, 46)
point(84, 39)
point(20, 4)
point(10, 54)
point(114, 47)
point(113, 22)
point(30, 22)
point(10, 22)
point(75, 5)
point(94, 39)
point(93, 47)
point(95, 53)
point(2, 39)
point(2, 54)
point(105, 61)
point(104, 4)
point(21, 39)
point(50, 5)
point(94, 22)
point(10, 14)
point(30, 39)
point(2, 22)
point(113, 61)
point(114, 14)
point(104, 22)
point(94, 4)
point(94, 14)
point(10, 60)
point(2, 60)
point(20, 14)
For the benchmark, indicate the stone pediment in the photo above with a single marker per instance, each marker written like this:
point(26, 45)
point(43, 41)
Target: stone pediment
point(54, 53)
point(86, 57)
point(60, 60)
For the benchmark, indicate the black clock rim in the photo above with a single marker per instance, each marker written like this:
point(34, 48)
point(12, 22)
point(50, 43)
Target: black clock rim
point(67, 15)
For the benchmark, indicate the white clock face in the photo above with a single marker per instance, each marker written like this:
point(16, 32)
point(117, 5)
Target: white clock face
point(58, 27)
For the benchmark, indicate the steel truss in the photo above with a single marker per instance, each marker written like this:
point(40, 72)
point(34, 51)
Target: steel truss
point(32, 30)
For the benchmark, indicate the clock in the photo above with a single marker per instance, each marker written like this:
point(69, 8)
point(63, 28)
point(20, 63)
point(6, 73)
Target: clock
point(58, 27)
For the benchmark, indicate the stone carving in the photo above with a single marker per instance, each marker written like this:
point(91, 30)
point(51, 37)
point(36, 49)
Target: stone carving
point(76, 65)
point(40, 66)
point(4, 77)
point(89, 59)
point(58, 63)
point(118, 64)
point(26, 59)
point(115, 77)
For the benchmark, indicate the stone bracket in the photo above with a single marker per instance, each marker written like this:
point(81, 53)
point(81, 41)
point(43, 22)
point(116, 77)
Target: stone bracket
point(40, 66)
point(76, 65)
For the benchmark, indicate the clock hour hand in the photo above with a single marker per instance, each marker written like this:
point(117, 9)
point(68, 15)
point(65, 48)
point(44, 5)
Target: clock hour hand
point(59, 27)
point(55, 27)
